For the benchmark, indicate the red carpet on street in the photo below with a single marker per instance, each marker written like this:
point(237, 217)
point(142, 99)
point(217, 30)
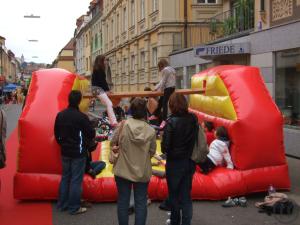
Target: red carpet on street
point(13, 212)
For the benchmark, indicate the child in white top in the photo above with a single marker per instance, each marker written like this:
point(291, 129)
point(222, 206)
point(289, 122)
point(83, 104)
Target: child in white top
point(167, 86)
point(218, 152)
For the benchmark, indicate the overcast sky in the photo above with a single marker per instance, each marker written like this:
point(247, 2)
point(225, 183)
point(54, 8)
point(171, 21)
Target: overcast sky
point(53, 30)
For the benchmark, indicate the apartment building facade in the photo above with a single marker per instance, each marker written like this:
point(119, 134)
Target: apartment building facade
point(8, 64)
point(138, 33)
point(82, 36)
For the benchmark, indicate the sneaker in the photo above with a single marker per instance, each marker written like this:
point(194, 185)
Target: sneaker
point(230, 202)
point(80, 211)
point(168, 221)
point(242, 202)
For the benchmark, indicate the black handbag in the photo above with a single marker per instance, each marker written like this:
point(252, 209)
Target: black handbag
point(2, 153)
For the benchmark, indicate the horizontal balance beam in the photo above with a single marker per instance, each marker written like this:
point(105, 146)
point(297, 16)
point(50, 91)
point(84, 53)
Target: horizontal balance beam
point(120, 95)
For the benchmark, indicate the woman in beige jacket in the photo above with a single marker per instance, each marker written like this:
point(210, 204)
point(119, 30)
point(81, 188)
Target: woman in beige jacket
point(137, 144)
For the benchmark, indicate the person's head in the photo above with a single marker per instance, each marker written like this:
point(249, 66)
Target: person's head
point(209, 126)
point(138, 108)
point(99, 63)
point(178, 104)
point(75, 98)
point(221, 133)
point(147, 89)
point(162, 64)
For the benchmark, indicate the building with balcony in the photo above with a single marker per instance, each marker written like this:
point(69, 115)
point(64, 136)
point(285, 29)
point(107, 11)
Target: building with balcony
point(260, 33)
point(138, 33)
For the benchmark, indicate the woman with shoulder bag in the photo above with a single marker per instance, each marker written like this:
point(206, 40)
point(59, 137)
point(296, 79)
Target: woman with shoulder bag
point(136, 141)
point(177, 143)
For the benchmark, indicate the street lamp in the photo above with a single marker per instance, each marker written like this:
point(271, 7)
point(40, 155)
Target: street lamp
point(32, 16)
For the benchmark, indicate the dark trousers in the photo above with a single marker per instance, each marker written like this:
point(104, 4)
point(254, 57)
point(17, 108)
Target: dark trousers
point(70, 185)
point(163, 103)
point(207, 165)
point(179, 174)
point(140, 200)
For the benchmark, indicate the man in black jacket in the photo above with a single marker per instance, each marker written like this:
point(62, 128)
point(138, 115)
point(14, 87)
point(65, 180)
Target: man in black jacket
point(73, 132)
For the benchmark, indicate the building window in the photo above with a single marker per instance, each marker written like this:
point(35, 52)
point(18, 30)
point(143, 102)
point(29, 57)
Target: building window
point(124, 19)
point(132, 12)
point(179, 77)
point(117, 25)
point(191, 70)
point(132, 65)
point(96, 41)
point(287, 85)
point(142, 9)
point(154, 5)
point(142, 60)
point(207, 1)
point(124, 67)
point(112, 30)
point(154, 57)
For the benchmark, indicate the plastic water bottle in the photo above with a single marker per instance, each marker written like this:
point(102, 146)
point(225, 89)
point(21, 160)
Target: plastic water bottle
point(271, 190)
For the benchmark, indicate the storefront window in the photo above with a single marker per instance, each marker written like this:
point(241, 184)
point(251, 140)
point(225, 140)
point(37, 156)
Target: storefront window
point(179, 77)
point(287, 85)
point(191, 70)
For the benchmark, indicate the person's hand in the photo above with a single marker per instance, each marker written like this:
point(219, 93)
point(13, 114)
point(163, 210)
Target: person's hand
point(115, 149)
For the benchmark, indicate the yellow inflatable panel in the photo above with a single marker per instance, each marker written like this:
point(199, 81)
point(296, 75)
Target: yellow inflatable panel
point(82, 85)
point(107, 172)
point(216, 100)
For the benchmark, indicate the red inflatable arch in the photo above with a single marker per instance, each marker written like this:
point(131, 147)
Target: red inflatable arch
point(235, 97)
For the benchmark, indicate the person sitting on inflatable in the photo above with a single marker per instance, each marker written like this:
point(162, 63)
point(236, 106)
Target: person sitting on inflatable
point(218, 152)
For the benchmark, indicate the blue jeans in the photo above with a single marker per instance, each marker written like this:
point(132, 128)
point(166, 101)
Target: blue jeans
point(179, 174)
point(140, 200)
point(70, 185)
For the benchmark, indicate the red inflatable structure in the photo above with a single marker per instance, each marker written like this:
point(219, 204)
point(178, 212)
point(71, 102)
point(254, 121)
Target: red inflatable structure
point(235, 97)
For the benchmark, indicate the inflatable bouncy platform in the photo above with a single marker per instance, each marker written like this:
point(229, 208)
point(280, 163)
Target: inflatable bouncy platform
point(234, 97)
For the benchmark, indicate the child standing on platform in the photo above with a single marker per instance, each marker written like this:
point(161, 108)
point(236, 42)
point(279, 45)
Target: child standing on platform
point(167, 86)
